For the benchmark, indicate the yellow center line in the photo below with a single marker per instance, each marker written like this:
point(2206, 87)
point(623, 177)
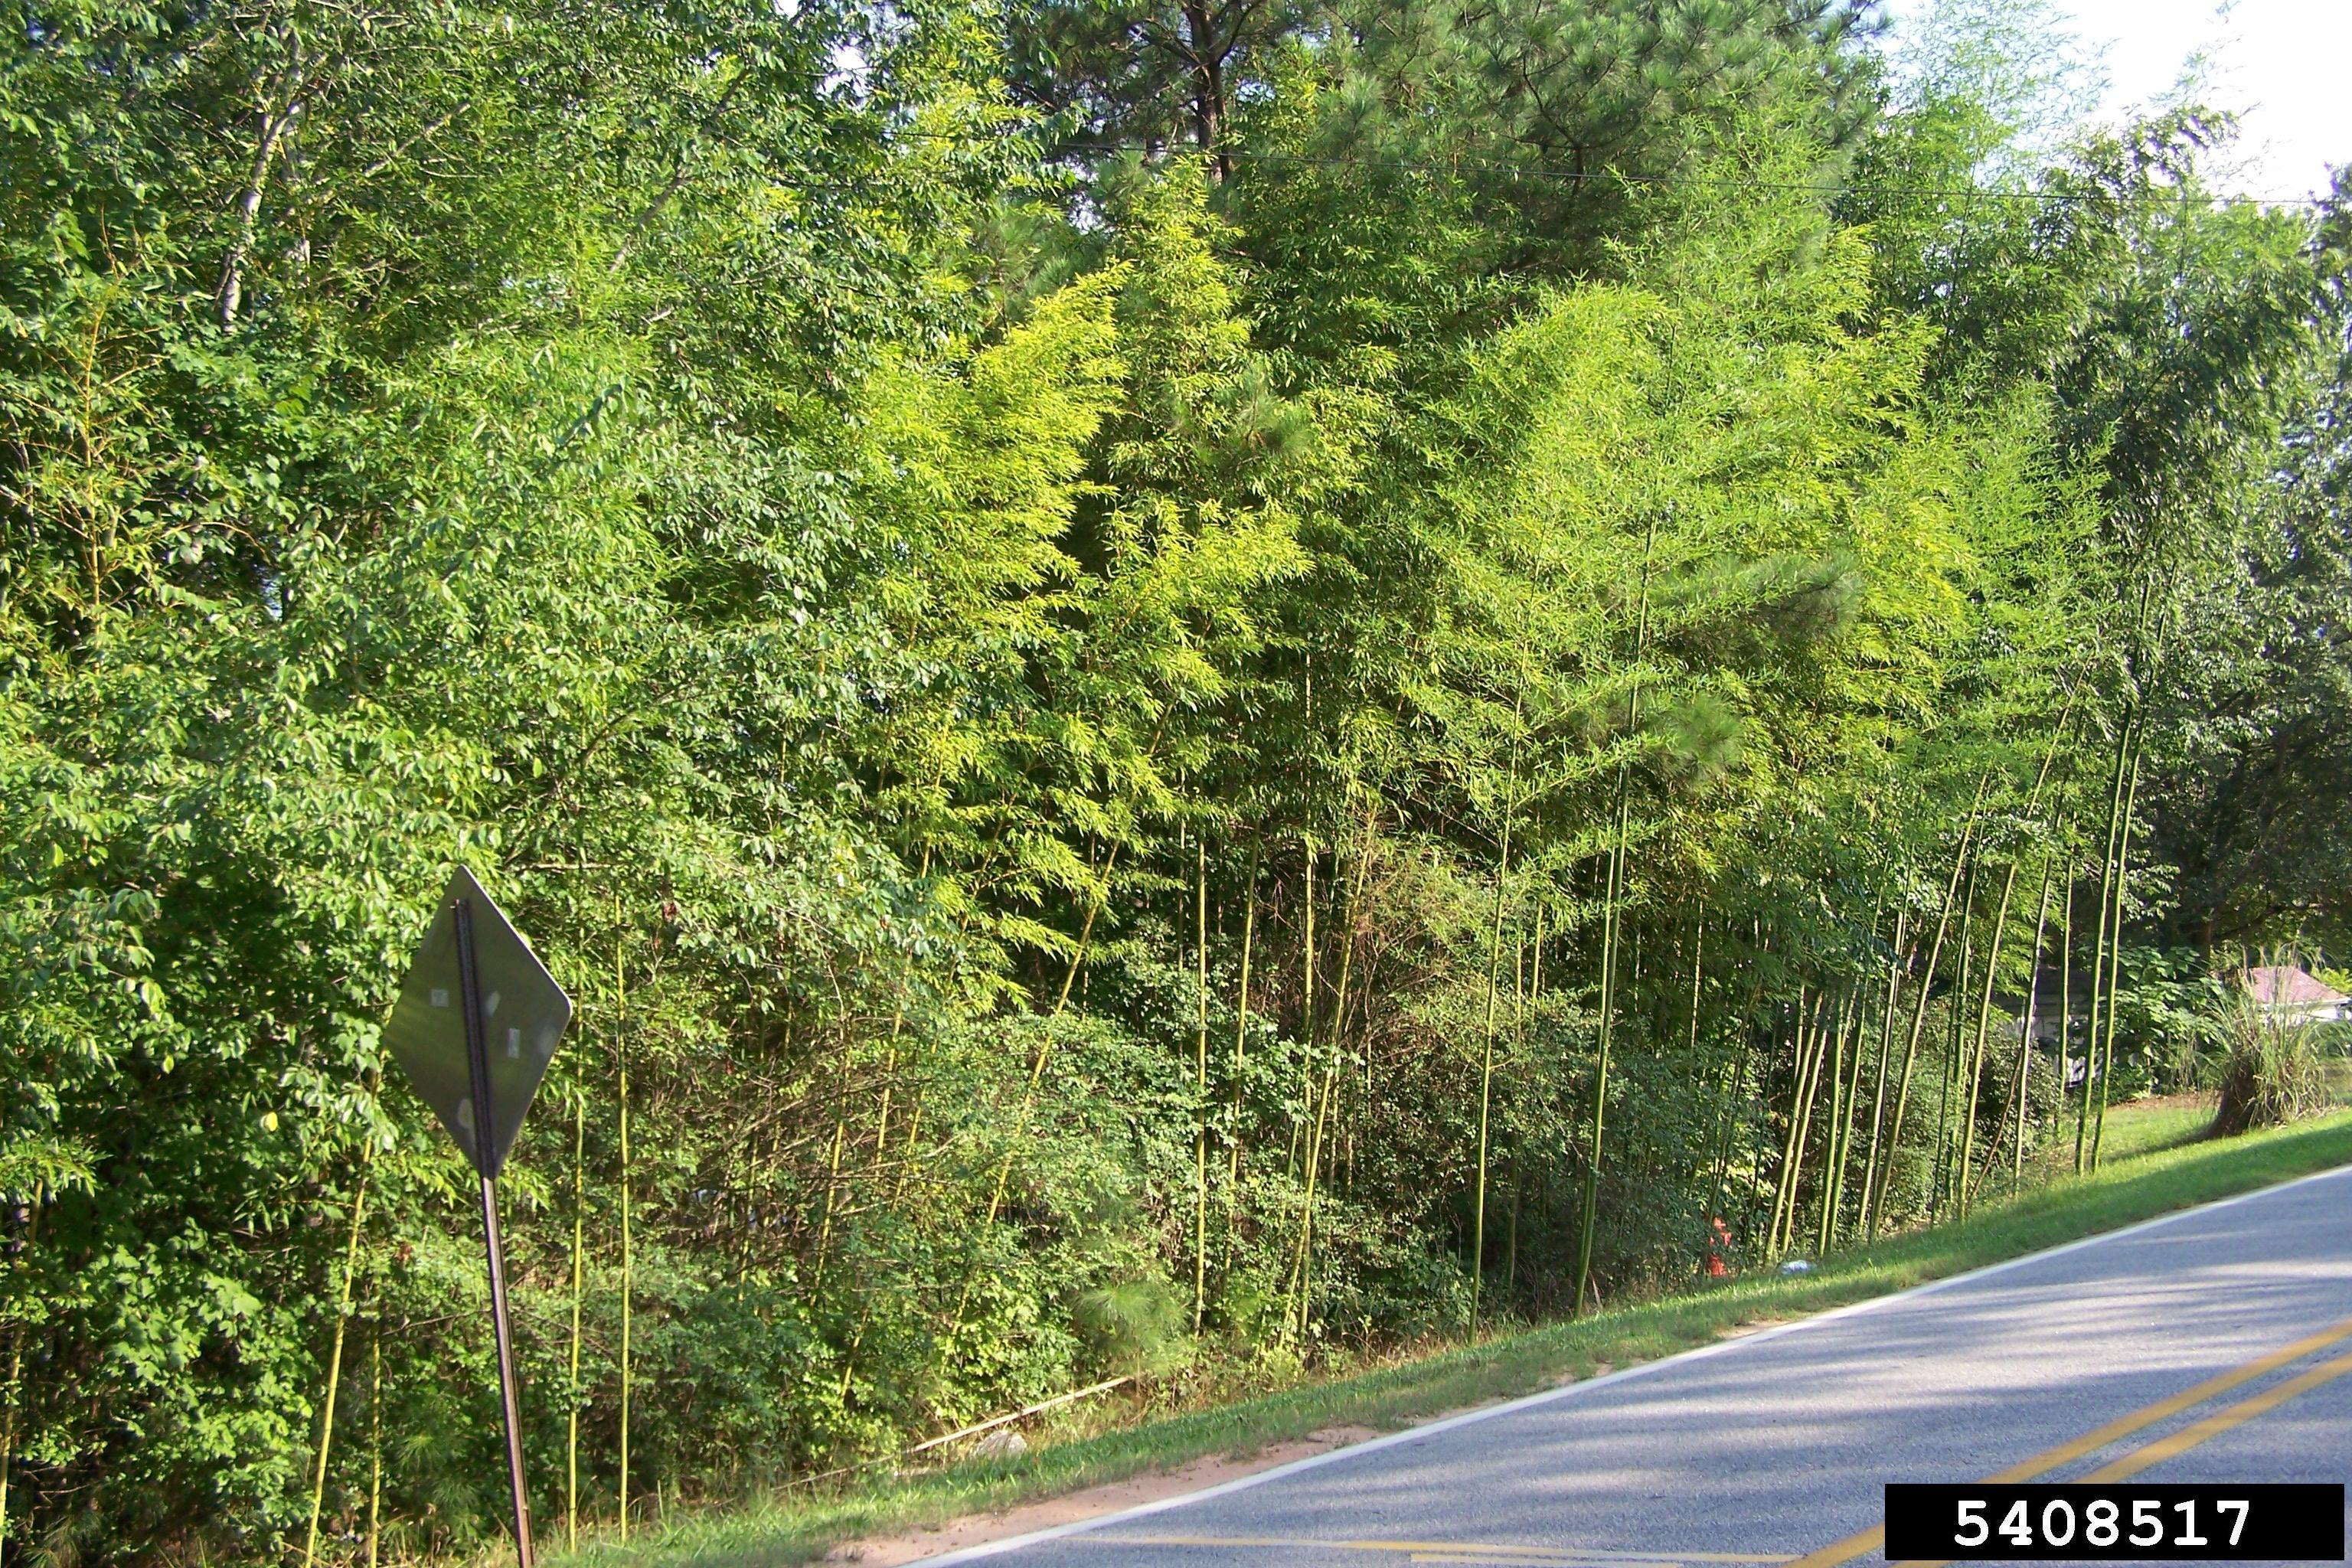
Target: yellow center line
point(1514, 1558)
point(1466, 1559)
point(1466, 1550)
point(2220, 1421)
point(2049, 1459)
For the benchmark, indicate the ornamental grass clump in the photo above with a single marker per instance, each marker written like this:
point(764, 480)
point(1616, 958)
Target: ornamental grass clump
point(2274, 1072)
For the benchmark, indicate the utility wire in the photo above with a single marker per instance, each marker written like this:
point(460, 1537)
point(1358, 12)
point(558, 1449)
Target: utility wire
point(2171, 198)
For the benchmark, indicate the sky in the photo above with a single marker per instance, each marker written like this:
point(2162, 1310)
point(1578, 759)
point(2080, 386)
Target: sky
point(2285, 63)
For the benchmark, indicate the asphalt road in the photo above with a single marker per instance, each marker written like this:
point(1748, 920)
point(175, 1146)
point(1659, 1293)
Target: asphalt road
point(2161, 1352)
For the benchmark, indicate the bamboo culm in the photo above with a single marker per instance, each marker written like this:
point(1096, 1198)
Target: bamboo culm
point(1950, 1078)
point(578, 1238)
point(376, 1441)
point(628, 1277)
point(1201, 1088)
point(335, 1357)
point(2098, 944)
point(1610, 912)
point(1875, 1213)
point(1325, 1135)
point(1841, 1109)
point(2025, 1034)
point(2115, 950)
point(1984, 1026)
point(1240, 1037)
point(1037, 1069)
point(1898, 963)
point(1302, 1139)
point(1487, 1076)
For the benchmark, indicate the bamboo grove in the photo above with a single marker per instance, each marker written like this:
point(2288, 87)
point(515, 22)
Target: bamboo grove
point(1187, 690)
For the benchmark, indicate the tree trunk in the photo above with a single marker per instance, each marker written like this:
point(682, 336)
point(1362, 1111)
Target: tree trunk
point(277, 117)
point(832, 1167)
point(8, 1420)
point(1206, 61)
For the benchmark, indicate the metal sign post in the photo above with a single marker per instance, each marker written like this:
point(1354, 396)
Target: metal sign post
point(478, 1062)
point(478, 1071)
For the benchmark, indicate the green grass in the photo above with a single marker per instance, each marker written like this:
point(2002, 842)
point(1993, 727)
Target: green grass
point(2153, 1166)
point(2145, 1127)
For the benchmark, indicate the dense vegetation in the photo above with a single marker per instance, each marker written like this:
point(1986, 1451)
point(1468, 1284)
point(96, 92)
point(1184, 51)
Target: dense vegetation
point(1182, 687)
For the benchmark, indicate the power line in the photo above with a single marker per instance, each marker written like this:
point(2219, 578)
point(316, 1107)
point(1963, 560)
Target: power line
point(1617, 176)
point(1968, 192)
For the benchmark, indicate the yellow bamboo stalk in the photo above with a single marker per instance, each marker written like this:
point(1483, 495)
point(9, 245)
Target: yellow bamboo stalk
point(375, 1436)
point(1037, 1077)
point(1241, 1036)
point(8, 1427)
point(1984, 1025)
point(1804, 1081)
point(335, 1358)
point(1045, 1053)
point(579, 1237)
point(1349, 915)
point(832, 1170)
point(1308, 1129)
point(1200, 1084)
point(620, 1046)
point(1487, 1072)
point(2099, 946)
point(1610, 928)
point(2114, 952)
point(1878, 1199)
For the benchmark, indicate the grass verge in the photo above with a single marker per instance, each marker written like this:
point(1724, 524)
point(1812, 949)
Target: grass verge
point(792, 1528)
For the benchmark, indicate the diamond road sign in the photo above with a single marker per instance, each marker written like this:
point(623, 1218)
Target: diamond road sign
point(524, 1012)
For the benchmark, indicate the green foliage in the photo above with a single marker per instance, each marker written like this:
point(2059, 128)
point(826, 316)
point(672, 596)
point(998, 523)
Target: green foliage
point(857, 542)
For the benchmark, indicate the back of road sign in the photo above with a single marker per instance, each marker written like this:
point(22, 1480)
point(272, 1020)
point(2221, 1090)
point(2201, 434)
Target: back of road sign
point(524, 1012)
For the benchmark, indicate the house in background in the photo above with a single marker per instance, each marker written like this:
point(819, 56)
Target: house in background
point(2292, 995)
point(2288, 993)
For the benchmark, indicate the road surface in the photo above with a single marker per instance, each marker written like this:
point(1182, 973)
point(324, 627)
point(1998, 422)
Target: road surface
point(2214, 1344)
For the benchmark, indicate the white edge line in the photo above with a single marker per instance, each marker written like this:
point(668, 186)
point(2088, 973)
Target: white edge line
point(1565, 1391)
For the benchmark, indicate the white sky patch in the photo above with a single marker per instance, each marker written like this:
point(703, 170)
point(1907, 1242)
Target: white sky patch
point(2281, 64)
